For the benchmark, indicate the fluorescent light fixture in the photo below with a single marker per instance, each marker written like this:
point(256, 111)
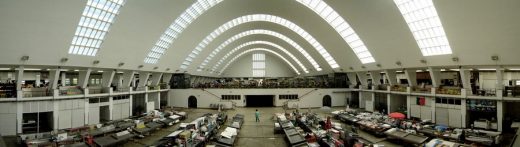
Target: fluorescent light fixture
point(419, 71)
point(32, 69)
point(514, 69)
point(76, 70)
point(6, 69)
point(443, 69)
point(99, 71)
point(487, 69)
point(425, 25)
point(177, 27)
point(94, 25)
point(455, 69)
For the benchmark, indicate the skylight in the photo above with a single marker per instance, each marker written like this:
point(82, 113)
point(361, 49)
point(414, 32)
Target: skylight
point(265, 32)
point(176, 28)
point(242, 46)
point(93, 26)
point(342, 27)
point(426, 27)
point(258, 68)
point(267, 18)
point(258, 49)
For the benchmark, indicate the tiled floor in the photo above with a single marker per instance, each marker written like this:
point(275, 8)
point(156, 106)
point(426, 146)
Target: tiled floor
point(253, 134)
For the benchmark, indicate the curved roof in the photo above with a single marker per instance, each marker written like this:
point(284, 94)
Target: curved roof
point(347, 35)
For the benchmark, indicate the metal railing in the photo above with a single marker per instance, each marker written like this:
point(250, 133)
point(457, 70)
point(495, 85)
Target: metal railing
point(37, 92)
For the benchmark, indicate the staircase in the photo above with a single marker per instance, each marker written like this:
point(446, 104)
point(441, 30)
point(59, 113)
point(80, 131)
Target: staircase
point(233, 104)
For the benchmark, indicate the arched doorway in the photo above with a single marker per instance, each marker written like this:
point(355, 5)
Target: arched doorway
point(327, 101)
point(192, 102)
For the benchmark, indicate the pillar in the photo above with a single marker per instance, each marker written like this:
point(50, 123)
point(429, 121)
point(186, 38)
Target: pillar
point(411, 76)
point(500, 115)
point(128, 77)
point(156, 78)
point(391, 76)
point(37, 82)
point(352, 79)
point(362, 76)
point(19, 78)
point(63, 78)
point(83, 78)
point(465, 78)
point(143, 79)
point(54, 75)
point(500, 79)
point(376, 77)
point(107, 78)
point(435, 75)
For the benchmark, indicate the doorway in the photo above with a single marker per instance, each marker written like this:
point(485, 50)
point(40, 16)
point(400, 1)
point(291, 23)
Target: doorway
point(259, 100)
point(327, 101)
point(192, 102)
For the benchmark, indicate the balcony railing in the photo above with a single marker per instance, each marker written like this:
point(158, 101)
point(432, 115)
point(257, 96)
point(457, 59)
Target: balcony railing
point(398, 88)
point(95, 90)
point(7, 94)
point(71, 90)
point(448, 90)
point(422, 89)
point(36, 92)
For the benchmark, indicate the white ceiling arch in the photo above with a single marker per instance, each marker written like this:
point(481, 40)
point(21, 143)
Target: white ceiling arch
point(258, 49)
point(267, 18)
point(259, 42)
point(177, 27)
point(264, 32)
point(342, 27)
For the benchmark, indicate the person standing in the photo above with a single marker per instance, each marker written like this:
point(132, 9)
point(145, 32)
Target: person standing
point(257, 116)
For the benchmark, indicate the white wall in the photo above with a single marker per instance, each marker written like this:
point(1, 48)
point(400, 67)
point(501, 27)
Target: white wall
point(274, 67)
point(424, 112)
point(8, 118)
point(488, 80)
point(179, 97)
point(71, 113)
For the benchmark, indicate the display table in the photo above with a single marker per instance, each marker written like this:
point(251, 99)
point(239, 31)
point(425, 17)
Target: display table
point(237, 121)
point(111, 140)
point(405, 136)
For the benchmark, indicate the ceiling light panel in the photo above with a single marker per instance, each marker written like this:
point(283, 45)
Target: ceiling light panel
point(94, 24)
point(242, 46)
point(273, 19)
point(258, 49)
point(425, 24)
point(342, 27)
point(176, 28)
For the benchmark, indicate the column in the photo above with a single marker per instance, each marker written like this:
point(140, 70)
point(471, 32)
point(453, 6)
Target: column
point(500, 114)
point(500, 79)
point(376, 77)
point(128, 77)
point(362, 76)
point(167, 77)
point(411, 76)
point(156, 78)
point(107, 78)
point(435, 74)
point(83, 78)
point(143, 79)
point(38, 78)
point(465, 78)
point(391, 76)
point(352, 79)
point(54, 75)
point(19, 78)
point(63, 78)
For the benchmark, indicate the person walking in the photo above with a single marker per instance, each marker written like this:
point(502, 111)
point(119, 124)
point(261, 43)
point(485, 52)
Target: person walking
point(257, 115)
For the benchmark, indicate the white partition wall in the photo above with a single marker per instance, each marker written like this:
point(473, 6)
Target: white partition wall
point(71, 113)
point(8, 118)
point(309, 97)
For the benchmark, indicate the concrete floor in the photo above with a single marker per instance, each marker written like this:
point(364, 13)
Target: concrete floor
point(252, 134)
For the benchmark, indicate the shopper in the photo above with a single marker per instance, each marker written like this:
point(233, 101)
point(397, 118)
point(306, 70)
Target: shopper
point(257, 115)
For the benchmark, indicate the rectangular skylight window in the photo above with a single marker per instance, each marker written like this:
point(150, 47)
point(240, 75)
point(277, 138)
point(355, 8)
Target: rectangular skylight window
point(426, 26)
point(93, 26)
point(258, 65)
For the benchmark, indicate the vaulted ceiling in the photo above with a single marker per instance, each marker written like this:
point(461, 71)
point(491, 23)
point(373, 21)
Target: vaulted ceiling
point(44, 30)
